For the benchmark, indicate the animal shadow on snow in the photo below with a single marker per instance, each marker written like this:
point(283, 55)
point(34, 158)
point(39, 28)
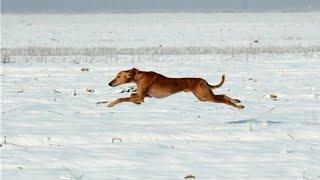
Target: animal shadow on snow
point(243, 121)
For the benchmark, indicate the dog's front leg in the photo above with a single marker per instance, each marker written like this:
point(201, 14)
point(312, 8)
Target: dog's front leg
point(134, 99)
point(111, 104)
point(133, 95)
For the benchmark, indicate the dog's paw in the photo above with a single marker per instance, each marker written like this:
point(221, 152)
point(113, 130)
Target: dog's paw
point(240, 106)
point(235, 101)
point(111, 104)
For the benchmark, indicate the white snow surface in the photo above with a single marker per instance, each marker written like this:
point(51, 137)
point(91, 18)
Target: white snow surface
point(165, 29)
point(47, 132)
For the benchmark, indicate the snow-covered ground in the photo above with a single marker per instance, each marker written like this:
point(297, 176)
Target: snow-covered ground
point(167, 30)
point(51, 127)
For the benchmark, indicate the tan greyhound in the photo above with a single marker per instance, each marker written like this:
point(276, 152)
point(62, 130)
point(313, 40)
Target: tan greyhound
point(151, 84)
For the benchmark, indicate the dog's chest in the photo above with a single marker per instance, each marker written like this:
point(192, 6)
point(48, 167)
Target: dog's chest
point(159, 93)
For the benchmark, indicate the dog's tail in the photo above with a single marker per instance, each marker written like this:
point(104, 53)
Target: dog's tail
point(218, 85)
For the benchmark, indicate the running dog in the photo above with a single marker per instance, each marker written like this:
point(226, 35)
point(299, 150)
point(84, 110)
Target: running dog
point(152, 84)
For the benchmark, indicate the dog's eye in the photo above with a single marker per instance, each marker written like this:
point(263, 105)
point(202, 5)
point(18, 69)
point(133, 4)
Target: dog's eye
point(118, 76)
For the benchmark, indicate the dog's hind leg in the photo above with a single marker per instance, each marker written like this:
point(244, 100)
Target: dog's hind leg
point(204, 93)
point(231, 99)
point(226, 100)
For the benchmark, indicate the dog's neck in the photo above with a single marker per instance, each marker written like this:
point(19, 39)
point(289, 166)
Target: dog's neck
point(135, 77)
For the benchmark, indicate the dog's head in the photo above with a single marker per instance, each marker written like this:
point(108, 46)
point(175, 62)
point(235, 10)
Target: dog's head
point(124, 77)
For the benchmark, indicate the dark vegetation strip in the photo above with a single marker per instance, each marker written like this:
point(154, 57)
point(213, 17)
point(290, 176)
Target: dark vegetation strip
point(103, 51)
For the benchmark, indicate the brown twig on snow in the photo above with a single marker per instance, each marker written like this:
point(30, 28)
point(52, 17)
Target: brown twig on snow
point(89, 90)
point(84, 69)
point(273, 97)
point(101, 102)
point(55, 91)
point(56, 112)
point(190, 177)
point(5, 142)
point(119, 139)
point(11, 110)
point(272, 109)
point(290, 136)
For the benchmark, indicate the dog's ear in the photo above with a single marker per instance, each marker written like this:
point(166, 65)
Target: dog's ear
point(132, 72)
